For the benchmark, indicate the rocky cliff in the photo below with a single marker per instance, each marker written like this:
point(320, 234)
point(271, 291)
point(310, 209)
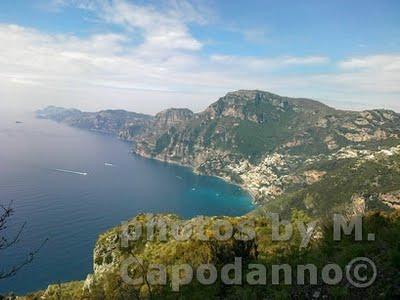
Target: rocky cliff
point(172, 117)
point(115, 262)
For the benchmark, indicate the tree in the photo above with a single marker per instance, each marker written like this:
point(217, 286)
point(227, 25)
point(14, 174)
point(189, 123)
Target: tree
point(6, 212)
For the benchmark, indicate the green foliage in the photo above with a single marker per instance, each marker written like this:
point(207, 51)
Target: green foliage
point(333, 193)
point(162, 142)
point(384, 251)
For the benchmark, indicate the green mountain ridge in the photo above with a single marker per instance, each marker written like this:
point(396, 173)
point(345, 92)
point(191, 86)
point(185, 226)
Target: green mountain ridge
point(266, 143)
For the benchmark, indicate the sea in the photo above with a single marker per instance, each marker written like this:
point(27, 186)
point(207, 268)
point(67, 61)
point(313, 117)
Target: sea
point(67, 185)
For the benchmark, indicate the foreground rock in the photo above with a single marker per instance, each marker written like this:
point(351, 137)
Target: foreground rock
point(111, 253)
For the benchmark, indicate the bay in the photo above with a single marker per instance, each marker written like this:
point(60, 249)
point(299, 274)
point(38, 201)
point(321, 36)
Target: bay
point(42, 171)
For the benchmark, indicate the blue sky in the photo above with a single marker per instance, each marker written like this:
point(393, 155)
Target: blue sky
point(149, 55)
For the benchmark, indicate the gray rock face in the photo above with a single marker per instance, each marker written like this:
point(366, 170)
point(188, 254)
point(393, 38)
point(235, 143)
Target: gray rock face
point(173, 117)
point(253, 105)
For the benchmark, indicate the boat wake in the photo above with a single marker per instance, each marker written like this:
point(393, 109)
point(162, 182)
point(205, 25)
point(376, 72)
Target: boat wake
point(71, 172)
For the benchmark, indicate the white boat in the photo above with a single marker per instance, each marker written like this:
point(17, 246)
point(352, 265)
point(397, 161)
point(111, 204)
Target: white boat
point(71, 172)
point(109, 164)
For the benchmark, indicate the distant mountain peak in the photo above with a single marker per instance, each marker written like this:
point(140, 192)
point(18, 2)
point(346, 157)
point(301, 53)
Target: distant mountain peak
point(173, 116)
point(250, 93)
point(251, 104)
point(253, 95)
point(175, 110)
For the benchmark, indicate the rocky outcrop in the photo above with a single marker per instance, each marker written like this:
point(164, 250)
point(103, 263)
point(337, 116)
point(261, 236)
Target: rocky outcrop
point(173, 117)
point(160, 243)
point(198, 244)
point(392, 199)
point(313, 176)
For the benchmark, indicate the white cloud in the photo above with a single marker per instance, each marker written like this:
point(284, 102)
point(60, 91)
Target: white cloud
point(167, 67)
point(373, 73)
point(307, 60)
point(161, 29)
point(23, 81)
point(267, 64)
point(387, 62)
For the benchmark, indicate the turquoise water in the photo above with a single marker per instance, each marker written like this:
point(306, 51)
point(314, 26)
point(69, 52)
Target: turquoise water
point(71, 209)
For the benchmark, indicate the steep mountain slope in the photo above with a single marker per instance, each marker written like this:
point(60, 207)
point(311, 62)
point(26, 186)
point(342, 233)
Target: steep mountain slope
point(262, 141)
point(251, 124)
point(367, 181)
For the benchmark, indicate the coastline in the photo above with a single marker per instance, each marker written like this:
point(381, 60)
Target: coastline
point(191, 167)
point(241, 186)
point(143, 155)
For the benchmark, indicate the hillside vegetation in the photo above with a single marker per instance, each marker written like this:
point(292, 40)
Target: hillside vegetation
point(106, 282)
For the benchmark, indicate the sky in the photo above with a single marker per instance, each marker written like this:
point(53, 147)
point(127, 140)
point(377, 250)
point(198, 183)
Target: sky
point(147, 56)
